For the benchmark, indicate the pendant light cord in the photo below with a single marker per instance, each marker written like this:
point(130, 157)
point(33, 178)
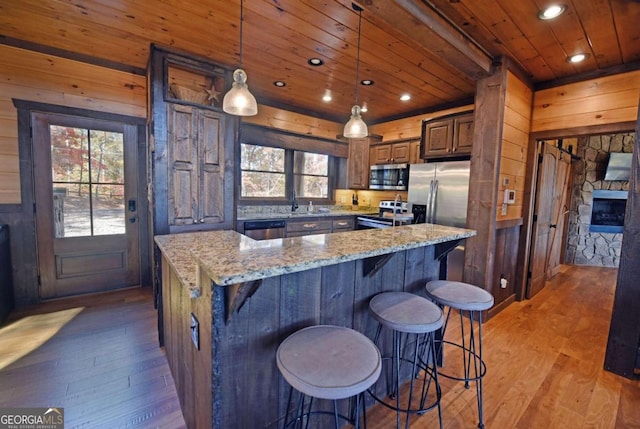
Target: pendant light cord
point(241, 20)
point(358, 53)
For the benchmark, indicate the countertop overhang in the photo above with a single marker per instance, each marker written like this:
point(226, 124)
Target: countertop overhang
point(230, 258)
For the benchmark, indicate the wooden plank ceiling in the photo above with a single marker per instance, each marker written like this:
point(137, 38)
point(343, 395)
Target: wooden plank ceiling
point(408, 46)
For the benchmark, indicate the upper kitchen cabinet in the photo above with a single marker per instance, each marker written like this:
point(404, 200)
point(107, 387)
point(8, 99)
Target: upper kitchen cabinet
point(191, 144)
point(358, 162)
point(447, 137)
point(196, 176)
point(391, 153)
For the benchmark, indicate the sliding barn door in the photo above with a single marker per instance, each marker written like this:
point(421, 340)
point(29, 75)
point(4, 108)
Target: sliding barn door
point(548, 156)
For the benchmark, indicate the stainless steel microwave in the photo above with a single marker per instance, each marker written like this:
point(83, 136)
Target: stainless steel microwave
point(393, 177)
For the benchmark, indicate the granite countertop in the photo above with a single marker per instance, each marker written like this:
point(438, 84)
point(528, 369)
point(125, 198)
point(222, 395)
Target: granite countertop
point(302, 213)
point(229, 257)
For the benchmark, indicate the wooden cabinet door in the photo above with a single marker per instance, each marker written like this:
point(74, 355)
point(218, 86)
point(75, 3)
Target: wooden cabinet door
point(211, 189)
point(196, 160)
point(358, 164)
point(438, 138)
point(380, 154)
point(400, 153)
point(182, 154)
point(463, 134)
point(414, 152)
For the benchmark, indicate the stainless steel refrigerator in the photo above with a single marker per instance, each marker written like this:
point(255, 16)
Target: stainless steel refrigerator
point(443, 188)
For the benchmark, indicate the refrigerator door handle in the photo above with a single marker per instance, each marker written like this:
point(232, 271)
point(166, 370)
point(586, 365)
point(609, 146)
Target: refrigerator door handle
point(429, 218)
point(434, 201)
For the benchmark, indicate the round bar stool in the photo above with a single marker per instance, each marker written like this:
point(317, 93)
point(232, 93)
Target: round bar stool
point(472, 300)
point(418, 319)
point(328, 362)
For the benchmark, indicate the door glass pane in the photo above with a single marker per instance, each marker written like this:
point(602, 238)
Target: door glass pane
point(88, 182)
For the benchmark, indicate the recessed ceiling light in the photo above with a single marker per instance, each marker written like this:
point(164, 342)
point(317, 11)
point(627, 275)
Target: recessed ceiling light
point(279, 83)
point(552, 11)
point(316, 62)
point(364, 108)
point(577, 58)
point(327, 96)
point(366, 82)
point(405, 97)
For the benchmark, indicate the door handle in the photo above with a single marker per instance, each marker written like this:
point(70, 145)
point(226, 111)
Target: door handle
point(133, 219)
point(132, 205)
point(553, 225)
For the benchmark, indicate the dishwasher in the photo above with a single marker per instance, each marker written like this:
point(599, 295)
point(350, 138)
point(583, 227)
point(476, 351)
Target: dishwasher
point(264, 229)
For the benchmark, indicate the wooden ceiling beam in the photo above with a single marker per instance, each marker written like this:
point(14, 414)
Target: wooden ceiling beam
point(434, 33)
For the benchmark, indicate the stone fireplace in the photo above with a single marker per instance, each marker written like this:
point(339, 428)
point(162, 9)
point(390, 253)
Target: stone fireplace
point(585, 246)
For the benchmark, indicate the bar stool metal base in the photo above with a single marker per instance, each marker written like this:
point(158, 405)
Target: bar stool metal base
point(471, 301)
point(416, 319)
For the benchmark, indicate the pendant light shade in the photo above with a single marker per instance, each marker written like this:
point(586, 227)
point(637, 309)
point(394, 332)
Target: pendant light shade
point(356, 128)
point(239, 101)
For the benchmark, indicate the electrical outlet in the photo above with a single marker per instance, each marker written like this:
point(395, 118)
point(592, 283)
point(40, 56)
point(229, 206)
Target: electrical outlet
point(503, 282)
point(195, 331)
point(343, 199)
point(503, 212)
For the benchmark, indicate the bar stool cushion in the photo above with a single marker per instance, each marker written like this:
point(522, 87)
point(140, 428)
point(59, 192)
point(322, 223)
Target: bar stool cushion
point(406, 312)
point(329, 362)
point(462, 296)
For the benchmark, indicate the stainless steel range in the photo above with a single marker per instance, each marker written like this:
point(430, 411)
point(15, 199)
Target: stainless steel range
point(392, 213)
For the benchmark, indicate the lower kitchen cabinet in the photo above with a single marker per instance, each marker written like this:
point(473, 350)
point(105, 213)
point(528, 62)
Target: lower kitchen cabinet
point(324, 225)
point(308, 226)
point(343, 224)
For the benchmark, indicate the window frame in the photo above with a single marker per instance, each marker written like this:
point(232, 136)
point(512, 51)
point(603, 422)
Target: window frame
point(289, 178)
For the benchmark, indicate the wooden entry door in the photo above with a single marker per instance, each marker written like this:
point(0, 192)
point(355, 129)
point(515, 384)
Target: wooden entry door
point(86, 210)
point(548, 156)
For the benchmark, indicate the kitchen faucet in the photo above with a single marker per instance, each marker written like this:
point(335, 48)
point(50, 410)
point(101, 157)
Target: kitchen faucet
point(294, 203)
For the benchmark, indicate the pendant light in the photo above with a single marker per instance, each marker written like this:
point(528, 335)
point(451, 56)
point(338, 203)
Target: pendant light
point(239, 101)
point(356, 128)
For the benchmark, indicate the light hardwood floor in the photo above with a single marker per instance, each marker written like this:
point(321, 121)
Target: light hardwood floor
point(98, 358)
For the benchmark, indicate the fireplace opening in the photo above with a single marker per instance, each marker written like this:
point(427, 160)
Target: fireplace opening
point(607, 213)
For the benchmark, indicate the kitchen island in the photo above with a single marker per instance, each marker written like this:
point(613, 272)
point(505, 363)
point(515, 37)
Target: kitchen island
point(228, 302)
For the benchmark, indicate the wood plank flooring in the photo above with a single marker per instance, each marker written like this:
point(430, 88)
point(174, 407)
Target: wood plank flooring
point(98, 358)
point(544, 362)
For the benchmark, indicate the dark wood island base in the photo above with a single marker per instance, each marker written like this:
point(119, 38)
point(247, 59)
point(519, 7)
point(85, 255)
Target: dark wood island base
point(238, 313)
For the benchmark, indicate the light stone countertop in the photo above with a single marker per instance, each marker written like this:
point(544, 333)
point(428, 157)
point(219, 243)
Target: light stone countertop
point(229, 257)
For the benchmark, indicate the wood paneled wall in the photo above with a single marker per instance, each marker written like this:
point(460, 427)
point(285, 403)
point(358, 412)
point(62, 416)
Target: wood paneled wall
point(600, 101)
point(33, 76)
point(411, 127)
point(515, 139)
point(295, 122)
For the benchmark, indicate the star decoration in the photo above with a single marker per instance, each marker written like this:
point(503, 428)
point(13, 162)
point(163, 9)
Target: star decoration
point(212, 94)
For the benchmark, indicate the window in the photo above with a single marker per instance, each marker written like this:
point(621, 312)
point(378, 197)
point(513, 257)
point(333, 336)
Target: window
point(263, 173)
point(311, 174)
point(274, 173)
